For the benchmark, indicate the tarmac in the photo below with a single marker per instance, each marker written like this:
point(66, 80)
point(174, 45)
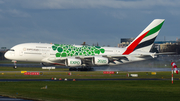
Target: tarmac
point(2, 98)
point(18, 80)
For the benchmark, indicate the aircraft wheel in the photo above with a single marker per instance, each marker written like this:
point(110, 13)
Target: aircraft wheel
point(15, 67)
point(92, 69)
point(79, 69)
point(72, 69)
point(85, 69)
point(75, 69)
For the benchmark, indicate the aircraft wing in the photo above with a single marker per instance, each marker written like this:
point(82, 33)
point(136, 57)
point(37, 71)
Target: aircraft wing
point(165, 53)
point(62, 60)
point(88, 59)
point(125, 56)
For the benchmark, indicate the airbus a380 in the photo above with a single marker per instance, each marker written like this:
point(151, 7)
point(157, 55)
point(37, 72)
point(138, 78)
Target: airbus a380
point(83, 56)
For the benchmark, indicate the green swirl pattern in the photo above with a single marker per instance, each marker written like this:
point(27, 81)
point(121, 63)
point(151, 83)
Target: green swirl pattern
point(64, 50)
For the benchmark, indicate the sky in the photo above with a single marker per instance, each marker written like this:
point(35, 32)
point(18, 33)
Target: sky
point(91, 21)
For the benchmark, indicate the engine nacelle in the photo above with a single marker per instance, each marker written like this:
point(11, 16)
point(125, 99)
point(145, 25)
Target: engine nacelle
point(100, 61)
point(72, 62)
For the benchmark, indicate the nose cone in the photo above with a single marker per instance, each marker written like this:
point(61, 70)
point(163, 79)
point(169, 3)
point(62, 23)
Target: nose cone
point(7, 55)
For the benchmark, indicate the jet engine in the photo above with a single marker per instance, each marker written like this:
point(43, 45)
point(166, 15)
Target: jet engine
point(100, 61)
point(72, 62)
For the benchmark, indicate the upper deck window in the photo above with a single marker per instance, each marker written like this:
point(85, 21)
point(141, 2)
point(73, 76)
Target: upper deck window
point(108, 50)
point(40, 47)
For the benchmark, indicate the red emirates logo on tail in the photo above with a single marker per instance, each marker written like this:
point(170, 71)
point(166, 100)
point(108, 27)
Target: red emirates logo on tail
point(131, 48)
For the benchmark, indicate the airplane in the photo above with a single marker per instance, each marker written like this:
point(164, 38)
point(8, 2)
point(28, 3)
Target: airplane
point(83, 57)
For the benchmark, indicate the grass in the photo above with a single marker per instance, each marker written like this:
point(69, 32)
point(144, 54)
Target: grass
point(10, 73)
point(109, 90)
point(136, 90)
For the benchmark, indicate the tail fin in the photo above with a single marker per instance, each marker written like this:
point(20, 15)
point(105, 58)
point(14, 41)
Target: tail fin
point(145, 39)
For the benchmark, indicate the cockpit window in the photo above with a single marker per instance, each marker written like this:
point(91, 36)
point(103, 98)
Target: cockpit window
point(11, 50)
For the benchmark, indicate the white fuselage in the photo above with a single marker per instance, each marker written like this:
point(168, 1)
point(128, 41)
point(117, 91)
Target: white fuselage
point(43, 52)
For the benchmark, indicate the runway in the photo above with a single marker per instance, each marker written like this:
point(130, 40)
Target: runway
point(2, 98)
point(17, 80)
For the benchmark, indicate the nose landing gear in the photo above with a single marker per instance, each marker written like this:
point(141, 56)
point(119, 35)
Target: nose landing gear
point(15, 66)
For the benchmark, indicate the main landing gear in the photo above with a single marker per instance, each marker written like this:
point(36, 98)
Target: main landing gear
point(81, 69)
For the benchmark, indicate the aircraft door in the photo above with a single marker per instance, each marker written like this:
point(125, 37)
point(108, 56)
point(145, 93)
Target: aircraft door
point(115, 51)
point(44, 53)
